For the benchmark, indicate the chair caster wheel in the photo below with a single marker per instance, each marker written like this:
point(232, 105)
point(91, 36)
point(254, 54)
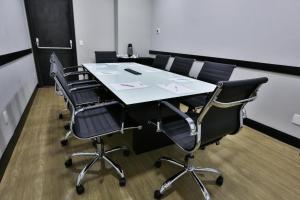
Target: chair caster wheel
point(126, 152)
point(220, 181)
point(68, 163)
point(157, 194)
point(64, 142)
point(60, 116)
point(79, 189)
point(122, 182)
point(67, 127)
point(157, 164)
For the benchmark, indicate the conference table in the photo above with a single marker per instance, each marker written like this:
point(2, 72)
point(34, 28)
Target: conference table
point(140, 88)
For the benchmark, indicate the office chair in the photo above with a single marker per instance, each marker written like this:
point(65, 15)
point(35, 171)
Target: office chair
point(94, 122)
point(211, 72)
point(106, 56)
point(222, 115)
point(68, 73)
point(182, 66)
point(80, 96)
point(161, 61)
point(72, 71)
point(53, 70)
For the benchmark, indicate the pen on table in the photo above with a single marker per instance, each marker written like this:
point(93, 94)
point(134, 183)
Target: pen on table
point(127, 85)
point(176, 88)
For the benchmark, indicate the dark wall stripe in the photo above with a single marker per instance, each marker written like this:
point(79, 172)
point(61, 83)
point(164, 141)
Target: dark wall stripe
point(6, 58)
point(14, 139)
point(279, 135)
point(284, 69)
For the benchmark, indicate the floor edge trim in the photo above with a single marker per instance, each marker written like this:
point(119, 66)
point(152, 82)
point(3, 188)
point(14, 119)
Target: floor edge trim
point(14, 139)
point(274, 133)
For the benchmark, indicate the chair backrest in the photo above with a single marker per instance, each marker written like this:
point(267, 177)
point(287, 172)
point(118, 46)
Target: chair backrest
point(222, 115)
point(53, 70)
point(62, 83)
point(106, 56)
point(160, 61)
point(182, 66)
point(58, 66)
point(213, 72)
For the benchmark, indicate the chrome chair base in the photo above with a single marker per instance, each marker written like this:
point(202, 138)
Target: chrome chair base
point(61, 113)
point(100, 154)
point(187, 168)
point(64, 141)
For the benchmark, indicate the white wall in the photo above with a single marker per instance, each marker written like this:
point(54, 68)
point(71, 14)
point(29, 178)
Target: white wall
point(18, 78)
point(134, 23)
point(110, 25)
point(14, 35)
point(95, 26)
point(257, 30)
point(277, 100)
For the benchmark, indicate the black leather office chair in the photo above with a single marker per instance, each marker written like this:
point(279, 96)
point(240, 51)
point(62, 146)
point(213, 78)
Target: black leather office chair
point(106, 56)
point(211, 72)
point(181, 66)
point(68, 72)
point(161, 61)
point(81, 95)
point(71, 76)
point(94, 122)
point(222, 115)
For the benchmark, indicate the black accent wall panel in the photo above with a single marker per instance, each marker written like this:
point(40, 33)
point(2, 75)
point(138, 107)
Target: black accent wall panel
point(6, 58)
point(283, 69)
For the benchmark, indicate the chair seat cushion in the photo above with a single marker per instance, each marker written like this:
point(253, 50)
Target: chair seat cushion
point(85, 96)
point(178, 131)
point(96, 122)
point(195, 101)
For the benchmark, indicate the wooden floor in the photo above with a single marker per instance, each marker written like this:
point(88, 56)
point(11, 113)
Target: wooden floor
point(254, 166)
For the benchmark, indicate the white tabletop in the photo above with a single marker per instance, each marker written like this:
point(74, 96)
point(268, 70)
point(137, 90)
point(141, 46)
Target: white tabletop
point(152, 85)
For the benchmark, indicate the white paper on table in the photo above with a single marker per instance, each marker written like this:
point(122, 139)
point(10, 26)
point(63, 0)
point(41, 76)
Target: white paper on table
point(108, 73)
point(175, 88)
point(180, 79)
point(128, 86)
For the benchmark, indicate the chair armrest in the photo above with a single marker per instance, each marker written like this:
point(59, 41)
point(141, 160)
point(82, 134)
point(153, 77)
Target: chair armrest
point(73, 68)
point(76, 73)
point(189, 121)
point(79, 82)
point(174, 109)
point(105, 104)
point(232, 104)
point(85, 87)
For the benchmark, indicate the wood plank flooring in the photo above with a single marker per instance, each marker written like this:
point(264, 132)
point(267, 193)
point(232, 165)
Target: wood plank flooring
point(254, 165)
